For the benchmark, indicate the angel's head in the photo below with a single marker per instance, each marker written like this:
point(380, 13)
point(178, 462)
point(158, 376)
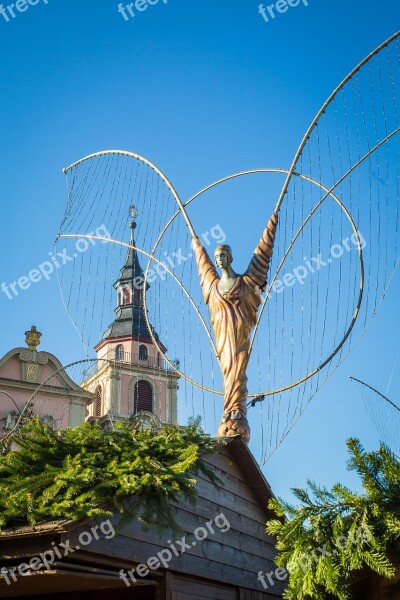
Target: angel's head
point(223, 256)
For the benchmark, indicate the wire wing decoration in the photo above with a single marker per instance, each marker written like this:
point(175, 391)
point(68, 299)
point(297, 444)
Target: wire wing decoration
point(337, 248)
point(383, 412)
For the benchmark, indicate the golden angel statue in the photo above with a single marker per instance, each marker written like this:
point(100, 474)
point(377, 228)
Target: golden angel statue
point(233, 301)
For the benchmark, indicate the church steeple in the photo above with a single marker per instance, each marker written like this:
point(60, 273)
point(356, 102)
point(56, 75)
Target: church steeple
point(130, 320)
point(132, 377)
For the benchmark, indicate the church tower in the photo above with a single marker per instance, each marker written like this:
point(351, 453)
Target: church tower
point(132, 378)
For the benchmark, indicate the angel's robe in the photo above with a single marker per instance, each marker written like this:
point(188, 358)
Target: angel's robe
point(234, 314)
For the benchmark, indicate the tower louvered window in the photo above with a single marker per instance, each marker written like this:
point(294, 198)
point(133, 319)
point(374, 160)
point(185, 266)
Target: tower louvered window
point(98, 402)
point(143, 397)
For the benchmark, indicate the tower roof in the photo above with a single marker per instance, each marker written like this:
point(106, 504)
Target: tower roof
point(130, 320)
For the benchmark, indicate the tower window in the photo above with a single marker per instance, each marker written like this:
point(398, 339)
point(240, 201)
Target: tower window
point(137, 297)
point(143, 399)
point(143, 353)
point(127, 296)
point(119, 297)
point(98, 402)
point(119, 352)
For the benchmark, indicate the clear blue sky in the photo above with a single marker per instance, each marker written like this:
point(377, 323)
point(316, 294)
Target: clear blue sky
point(203, 89)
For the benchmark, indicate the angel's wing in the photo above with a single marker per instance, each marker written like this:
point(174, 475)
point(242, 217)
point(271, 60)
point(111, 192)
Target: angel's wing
point(338, 247)
point(100, 228)
point(118, 203)
point(384, 413)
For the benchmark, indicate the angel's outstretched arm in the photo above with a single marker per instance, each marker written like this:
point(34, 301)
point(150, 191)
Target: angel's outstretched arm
point(259, 264)
point(207, 271)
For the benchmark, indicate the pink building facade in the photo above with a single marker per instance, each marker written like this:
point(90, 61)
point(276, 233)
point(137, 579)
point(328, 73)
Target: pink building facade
point(31, 376)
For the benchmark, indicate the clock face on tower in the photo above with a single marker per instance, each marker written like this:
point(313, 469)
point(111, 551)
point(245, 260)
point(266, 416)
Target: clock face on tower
point(145, 420)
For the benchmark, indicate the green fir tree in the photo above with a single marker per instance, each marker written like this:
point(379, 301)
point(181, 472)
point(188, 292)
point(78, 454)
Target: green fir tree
point(333, 533)
point(85, 472)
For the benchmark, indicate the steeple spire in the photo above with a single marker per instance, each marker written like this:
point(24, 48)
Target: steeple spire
point(133, 212)
point(130, 320)
point(131, 274)
point(136, 378)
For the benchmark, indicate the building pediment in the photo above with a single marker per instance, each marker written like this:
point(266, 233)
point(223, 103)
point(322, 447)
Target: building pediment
point(24, 366)
point(34, 382)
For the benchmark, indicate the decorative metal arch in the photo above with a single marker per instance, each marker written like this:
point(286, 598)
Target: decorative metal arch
point(182, 211)
point(323, 109)
point(149, 164)
point(329, 193)
point(353, 321)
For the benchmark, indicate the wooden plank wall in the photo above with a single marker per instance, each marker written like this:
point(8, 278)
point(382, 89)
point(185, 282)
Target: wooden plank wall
point(233, 558)
point(183, 588)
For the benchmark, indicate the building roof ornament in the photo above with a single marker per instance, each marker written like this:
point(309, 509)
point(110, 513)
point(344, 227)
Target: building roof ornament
point(32, 338)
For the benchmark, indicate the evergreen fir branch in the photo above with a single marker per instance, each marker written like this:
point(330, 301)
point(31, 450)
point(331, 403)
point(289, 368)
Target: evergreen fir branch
point(74, 473)
point(333, 533)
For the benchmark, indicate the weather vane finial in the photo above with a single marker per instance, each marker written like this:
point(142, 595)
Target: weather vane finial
point(133, 211)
